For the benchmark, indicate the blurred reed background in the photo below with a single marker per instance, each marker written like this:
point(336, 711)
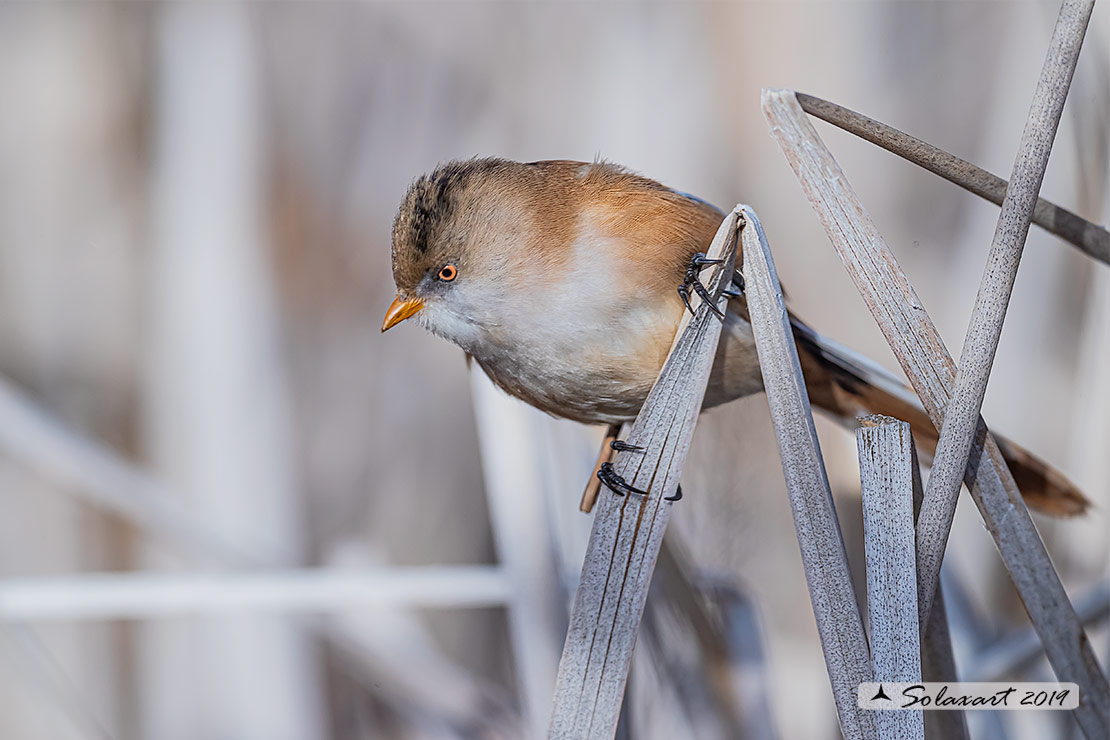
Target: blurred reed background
point(195, 206)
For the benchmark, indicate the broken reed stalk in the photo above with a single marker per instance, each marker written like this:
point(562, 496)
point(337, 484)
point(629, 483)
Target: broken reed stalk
point(1092, 239)
point(823, 557)
point(886, 482)
point(916, 344)
point(961, 417)
point(628, 529)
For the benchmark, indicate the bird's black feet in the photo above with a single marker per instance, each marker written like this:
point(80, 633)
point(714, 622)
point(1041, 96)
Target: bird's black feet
point(614, 482)
point(738, 283)
point(621, 446)
point(691, 281)
point(677, 495)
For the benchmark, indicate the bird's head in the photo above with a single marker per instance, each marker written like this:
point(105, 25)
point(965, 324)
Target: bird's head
point(458, 243)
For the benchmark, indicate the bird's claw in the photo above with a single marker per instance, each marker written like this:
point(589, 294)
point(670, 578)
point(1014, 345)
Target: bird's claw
point(700, 260)
point(684, 293)
point(702, 291)
point(614, 482)
point(691, 280)
point(677, 495)
point(622, 446)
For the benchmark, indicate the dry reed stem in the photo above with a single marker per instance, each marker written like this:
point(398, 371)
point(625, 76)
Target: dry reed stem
point(628, 530)
point(826, 565)
point(1092, 239)
point(886, 482)
point(961, 416)
point(916, 344)
point(938, 662)
point(1018, 651)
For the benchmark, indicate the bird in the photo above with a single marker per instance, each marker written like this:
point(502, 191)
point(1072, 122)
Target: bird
point(561, 279)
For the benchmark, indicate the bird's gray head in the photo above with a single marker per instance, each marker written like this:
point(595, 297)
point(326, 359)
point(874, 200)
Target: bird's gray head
point(453, 247)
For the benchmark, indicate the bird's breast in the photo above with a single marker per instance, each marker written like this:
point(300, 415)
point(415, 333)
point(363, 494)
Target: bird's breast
point(589, 351)
point(588, 343)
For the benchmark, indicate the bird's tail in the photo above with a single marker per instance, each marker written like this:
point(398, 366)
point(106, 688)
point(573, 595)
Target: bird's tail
point(847, 385)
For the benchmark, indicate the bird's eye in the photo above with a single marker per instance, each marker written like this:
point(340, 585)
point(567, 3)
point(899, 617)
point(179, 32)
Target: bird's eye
point(448, 273)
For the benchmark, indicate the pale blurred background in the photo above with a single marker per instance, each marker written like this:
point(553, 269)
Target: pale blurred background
point(195, 205)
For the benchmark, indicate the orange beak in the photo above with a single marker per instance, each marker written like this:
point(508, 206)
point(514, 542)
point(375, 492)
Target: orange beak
point(400, 310)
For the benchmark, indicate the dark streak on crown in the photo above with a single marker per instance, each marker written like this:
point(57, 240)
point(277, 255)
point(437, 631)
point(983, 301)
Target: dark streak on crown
point(432, 196)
